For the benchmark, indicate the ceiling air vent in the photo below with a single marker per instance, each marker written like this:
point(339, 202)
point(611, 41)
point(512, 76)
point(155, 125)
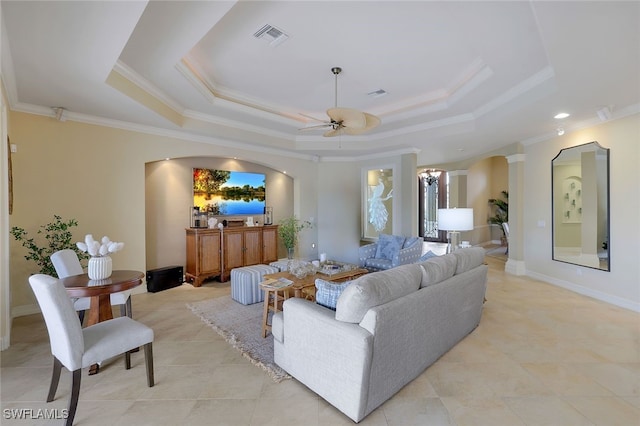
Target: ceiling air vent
point(273, 35)
point(377, 93)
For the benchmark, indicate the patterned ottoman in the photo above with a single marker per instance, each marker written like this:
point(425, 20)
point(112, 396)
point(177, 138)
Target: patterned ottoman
point(281, 264)
point(245, 283)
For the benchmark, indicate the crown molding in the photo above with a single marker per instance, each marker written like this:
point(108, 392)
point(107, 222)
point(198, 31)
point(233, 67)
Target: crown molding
point(237, 125)
point(541, 77)
point(230, 100)
point(375, 156)
point(475, 74)
point(127, 72)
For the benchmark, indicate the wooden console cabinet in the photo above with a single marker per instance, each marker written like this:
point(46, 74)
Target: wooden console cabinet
point(203, 255)
point(211, 252)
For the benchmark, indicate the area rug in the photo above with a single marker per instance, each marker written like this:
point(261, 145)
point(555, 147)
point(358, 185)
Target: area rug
point(241, 326)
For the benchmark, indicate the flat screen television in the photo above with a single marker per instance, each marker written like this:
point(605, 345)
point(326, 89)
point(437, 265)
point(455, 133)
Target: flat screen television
point(228, 193)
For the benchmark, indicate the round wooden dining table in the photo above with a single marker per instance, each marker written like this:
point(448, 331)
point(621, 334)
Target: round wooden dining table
point(100, 291)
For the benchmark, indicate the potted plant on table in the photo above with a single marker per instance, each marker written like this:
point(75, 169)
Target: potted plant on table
point(288, 230)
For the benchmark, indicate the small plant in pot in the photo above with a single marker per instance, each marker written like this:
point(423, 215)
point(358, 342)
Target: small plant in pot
point(288, 230)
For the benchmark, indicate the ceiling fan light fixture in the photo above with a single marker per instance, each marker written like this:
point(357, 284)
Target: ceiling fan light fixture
point(348, 121)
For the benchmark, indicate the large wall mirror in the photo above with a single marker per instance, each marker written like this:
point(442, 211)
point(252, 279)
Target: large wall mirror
point(580, 204)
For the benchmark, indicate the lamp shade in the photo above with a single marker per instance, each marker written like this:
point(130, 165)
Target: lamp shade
point(455, 219)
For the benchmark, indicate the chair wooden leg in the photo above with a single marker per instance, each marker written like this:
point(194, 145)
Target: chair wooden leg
point(55, 379)
point(148, 360)
point(75, 393)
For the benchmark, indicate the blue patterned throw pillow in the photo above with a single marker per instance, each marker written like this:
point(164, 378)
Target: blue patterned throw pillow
point(427, 255)
point(389, 246)
point(327, 293)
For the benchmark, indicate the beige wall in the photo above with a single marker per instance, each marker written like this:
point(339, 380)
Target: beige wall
point(97, 175)
point(622, 285)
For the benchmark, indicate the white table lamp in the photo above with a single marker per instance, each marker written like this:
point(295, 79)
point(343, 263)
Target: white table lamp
point(454, 220)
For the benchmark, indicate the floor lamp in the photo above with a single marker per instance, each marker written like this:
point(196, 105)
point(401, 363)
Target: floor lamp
point(454, 220)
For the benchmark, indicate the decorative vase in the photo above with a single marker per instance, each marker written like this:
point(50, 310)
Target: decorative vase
point(100, 268)
point(290, 252)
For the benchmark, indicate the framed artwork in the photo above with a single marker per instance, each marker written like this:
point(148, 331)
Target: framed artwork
point(377, 203)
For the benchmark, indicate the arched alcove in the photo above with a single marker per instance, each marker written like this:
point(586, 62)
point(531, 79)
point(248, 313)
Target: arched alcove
point(169, 198)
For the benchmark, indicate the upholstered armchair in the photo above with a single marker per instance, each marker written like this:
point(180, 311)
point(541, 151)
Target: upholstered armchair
point(390, 251)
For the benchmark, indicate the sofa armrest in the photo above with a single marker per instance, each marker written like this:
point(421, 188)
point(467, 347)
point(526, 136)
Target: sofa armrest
point(332, 358)
point(366, 252)
point(407, 255)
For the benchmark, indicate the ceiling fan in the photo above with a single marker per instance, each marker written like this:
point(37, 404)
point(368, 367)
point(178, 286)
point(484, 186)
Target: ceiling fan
point(344, 120)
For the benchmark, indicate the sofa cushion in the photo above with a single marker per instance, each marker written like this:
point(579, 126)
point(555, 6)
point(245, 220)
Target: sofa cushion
point(469, 258)
point(376, 289)
point(427, 255)
point(388, 246)
point(410, 241)
point(327, 292)
point(438, 269)
point(378, 264)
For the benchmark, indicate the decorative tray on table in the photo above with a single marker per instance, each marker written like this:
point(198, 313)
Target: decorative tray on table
point(333, 267)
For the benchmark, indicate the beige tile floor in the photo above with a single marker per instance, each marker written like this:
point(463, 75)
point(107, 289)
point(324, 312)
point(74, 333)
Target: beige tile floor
point(541, 356)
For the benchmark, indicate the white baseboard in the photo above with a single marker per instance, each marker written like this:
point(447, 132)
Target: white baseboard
point(4, 343)
point(614, 300)
point(515, 267)
point(23, 310)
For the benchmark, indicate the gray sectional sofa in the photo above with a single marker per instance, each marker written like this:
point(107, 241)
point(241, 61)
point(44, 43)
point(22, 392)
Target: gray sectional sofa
point(388, 327)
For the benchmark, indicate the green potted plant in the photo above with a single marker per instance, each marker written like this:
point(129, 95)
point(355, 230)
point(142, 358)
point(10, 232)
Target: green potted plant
point(288, 230)
point(57, 236)
point(501, 212)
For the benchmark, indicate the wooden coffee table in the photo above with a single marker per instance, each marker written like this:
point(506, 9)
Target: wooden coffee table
point(306, 287)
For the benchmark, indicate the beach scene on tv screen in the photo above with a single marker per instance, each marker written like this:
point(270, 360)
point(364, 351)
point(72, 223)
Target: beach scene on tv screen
point(224, 192)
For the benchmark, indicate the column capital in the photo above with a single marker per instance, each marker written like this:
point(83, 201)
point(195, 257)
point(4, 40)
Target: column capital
point(515, 158)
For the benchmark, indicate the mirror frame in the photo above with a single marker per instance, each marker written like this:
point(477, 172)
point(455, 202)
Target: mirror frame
point(573, 192)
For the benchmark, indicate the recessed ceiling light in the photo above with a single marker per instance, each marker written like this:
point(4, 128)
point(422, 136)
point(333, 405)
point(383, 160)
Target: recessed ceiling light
point(560, 131)
point(561, 115)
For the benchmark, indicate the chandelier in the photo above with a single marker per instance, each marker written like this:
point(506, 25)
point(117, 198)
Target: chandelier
point(430, 176)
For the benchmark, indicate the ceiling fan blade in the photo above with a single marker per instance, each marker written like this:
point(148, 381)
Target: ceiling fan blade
point(333, 132)
point(348, 117)
point(313, 118)
point(372, 122)
point(319, 126)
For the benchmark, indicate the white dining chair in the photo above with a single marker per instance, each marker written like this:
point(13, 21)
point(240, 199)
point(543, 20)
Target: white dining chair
point(66, 263)
point(505, 227)
point(75, 347)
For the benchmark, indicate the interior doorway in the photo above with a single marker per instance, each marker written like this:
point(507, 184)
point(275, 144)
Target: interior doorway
point(432, 195)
